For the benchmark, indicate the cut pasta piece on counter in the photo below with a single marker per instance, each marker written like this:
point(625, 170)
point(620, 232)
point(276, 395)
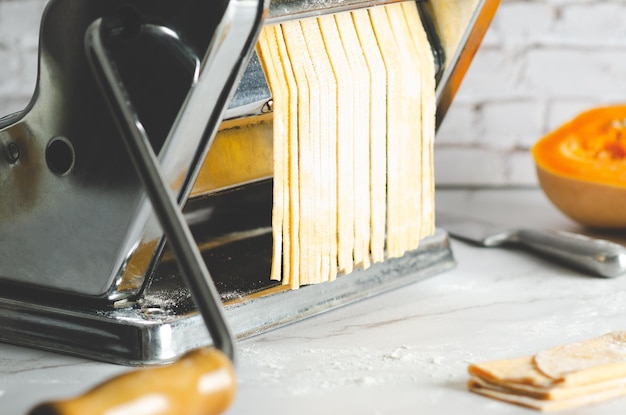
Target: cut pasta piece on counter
point(563, 377)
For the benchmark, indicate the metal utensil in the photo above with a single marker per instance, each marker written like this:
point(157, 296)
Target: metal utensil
point(600, 257)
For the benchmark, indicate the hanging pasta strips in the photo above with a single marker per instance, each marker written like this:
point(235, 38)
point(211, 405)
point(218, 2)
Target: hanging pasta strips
point(354, 123)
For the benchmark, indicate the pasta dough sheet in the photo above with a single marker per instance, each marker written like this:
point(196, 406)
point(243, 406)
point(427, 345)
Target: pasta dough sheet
point(563, 377)
point(589, 361)
point(566, 401)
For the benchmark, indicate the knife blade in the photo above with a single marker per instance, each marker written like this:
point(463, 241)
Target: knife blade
point(598, 256)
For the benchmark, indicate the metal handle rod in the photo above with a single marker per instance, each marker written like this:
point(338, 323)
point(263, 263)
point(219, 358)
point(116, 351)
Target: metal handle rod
point(603, 258)
point(176, 230)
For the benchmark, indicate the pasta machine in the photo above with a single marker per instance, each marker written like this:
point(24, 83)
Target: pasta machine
point(85, 268)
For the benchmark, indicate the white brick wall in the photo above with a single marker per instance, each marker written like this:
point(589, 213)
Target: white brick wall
point(542, 62)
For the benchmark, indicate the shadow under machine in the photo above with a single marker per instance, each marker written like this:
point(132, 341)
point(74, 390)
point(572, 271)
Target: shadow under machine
point(84, 266)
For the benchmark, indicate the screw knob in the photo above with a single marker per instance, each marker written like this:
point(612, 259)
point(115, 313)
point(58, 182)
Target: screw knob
point(12, 152)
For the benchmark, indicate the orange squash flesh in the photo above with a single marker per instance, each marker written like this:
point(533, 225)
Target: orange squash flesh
point(581, 167)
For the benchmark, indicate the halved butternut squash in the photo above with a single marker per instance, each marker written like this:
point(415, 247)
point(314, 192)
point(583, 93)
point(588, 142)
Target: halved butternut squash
point(581, 167)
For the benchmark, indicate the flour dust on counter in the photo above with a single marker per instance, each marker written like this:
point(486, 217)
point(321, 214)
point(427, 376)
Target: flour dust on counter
point(354, 123)
point(315, 370)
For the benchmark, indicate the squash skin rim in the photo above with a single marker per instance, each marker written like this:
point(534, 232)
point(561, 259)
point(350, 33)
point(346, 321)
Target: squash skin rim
point(578, 178)
point(585, 211)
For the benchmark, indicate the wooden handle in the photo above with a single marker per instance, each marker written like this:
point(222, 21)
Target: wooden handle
point(202, 382)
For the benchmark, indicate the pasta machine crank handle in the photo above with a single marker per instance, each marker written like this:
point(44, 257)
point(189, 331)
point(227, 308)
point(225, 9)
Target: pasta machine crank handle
point(189, 259)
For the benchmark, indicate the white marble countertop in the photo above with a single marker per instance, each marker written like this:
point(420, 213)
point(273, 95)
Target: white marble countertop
point(403, 352)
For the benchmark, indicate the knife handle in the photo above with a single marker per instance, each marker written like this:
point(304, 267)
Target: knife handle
point(202, 382)
point(602, 258)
